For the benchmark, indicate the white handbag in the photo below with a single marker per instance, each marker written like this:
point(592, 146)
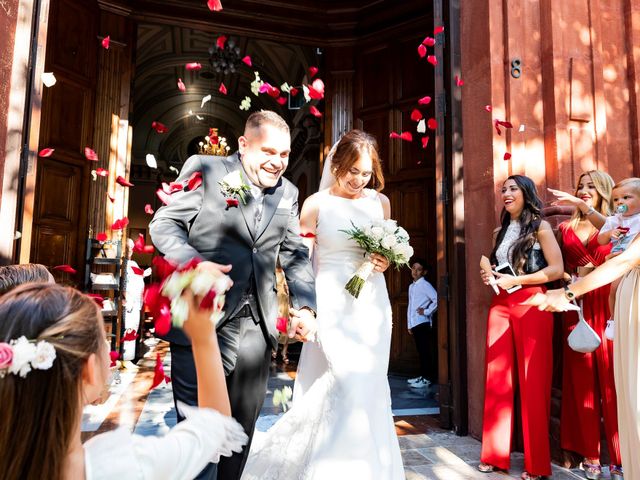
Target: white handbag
point(583, 338)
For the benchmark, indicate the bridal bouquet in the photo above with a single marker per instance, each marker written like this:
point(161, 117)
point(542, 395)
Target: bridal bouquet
point(165, 299)
point(383, 237)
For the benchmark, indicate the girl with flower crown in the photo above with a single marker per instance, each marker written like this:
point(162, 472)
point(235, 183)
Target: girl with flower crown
point(54, 361)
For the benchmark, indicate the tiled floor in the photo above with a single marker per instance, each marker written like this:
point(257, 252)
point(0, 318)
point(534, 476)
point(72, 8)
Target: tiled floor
point(429, 453)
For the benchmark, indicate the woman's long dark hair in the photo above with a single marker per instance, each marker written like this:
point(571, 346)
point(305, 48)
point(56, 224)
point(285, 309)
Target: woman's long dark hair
point(38, 413)
point(530, 220)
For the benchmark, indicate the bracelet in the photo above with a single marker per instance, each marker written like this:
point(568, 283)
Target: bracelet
point(591, 211)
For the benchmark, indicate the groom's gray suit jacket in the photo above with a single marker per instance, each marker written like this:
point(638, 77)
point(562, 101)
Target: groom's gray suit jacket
point(198, 224)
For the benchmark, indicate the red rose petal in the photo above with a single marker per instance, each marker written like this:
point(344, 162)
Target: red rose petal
point(232, 202)
point(120, 180)
point(190, 265)
point(214, 5)
point(425, 100)
point(425, 142)
point(307, 235)
point(46, 152)
point(96, 298)
point(505, 124)
point(105, 42)
point(90, 154)
point(432, 123)
point(129, 335)
point(429, 41)
point(416, 115)
point(120, 223)
point(159, 127)
point(148, 210)
point(496, 124)
point(316, 89)
point(111, 198)
point(101, 237)
point(140, 247)
point(137, 271)
point(221, 41)
point(193, 66)
point(247, 60)
point(162, 320)
point(222, 89)
point(207, 300)
point(281, 100)
point(282, 324)
point(432, 60)
point(407, 136)
point(164, 267)
point(488, 108)
point(66, 269)
point(158, 372)
point(102, 172)
point(312, 71)
point(459, 81)
point(195, 180)
point(507, 156)
point(293, 92)
point(113, 356)
point(422, 50)
point(315, 112)
point(181, 86)
point(438, 30)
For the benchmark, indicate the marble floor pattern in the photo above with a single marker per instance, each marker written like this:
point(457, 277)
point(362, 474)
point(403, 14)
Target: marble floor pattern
point(428, 451)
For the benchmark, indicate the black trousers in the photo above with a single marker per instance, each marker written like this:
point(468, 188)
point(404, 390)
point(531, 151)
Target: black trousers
point(426, 338)
point(246, 359)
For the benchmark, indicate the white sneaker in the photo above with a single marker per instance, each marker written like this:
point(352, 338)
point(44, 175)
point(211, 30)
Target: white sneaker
point(414, 380)
point(610, 330)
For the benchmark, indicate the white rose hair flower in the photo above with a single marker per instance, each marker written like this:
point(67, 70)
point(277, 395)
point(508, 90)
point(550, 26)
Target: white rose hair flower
point(22, 355)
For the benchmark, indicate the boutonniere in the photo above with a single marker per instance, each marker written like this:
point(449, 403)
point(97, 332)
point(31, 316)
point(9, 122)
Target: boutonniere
point(233, 187)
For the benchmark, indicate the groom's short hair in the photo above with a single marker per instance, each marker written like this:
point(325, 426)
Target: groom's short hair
point(265, 117)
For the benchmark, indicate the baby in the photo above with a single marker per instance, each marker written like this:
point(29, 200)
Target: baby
point(621, 229)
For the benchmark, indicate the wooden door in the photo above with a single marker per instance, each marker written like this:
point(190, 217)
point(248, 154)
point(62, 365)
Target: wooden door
point(62, 182)
point(390, 79)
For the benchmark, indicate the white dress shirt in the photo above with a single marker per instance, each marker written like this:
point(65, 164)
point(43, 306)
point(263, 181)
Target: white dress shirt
point(421, 295)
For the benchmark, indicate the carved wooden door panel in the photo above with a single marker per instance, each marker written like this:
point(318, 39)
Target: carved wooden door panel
point(62, 184)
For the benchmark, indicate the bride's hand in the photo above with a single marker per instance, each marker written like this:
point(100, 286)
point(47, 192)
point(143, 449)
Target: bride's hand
point(380, 262)
point(302, 324)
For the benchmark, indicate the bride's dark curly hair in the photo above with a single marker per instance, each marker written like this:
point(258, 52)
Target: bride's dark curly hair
point(530, 220)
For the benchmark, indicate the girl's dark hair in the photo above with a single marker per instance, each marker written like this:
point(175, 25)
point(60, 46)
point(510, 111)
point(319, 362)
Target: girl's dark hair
point(13, 275)
point(39, 413)
point(530, 220)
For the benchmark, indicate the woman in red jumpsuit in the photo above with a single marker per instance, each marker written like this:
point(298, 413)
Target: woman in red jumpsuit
point(588, 390)
point(519, 337)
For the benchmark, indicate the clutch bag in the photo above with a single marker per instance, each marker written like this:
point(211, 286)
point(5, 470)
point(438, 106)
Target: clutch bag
point(583, 338)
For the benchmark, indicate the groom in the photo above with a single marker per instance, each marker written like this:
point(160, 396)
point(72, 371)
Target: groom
point(215, 225)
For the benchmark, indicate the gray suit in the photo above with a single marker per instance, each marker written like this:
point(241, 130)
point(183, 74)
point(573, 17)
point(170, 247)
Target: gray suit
point(198, 224)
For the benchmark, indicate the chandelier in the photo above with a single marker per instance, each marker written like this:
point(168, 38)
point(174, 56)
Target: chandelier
point(214, 144)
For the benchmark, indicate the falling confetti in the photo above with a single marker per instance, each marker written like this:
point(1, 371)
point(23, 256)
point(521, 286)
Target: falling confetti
point(105, 42)
point(432, 60)
point(90, 154)
point(222, 89)
point(247, 60)
point(181, 86)
point(120, 180)
point(406, 136)
point(221, 41)
point(151, 160)
point(245, 104)
point(46, 152)
point(416, 115)
point(425, 100)
point(193, 66)
point(425, 142)
point(422, 50)
point(432, 124)
point(205, 99)
point(159, 127)
point(422, 126)
point(429, 41)
point(315, 112)
point(49, 79)
point(312, 71)
point(148, 209)
point(507, 156)
point(214, 5)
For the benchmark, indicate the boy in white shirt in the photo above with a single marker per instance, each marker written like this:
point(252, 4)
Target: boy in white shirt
point(621, 229)
point(423, 302)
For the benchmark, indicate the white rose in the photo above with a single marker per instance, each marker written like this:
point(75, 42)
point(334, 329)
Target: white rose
point(377, 233)
point(45, 355)
point(367, 230)
point(402, 233)
point(389, 241)
point(390, 226)
point(406, 251)
point(23, 353)
point(377, 223)
point(176, 283)
point(234, 180)
point(179, 311)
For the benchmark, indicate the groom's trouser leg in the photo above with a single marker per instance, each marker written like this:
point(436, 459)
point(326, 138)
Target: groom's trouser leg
point(247, 386)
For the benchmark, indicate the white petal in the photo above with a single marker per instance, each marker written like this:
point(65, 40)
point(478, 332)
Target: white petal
point(422, 126)
point(151, 161)
point(49, 79)
point(205, 99)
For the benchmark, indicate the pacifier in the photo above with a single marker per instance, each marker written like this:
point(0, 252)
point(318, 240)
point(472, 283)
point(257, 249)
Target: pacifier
point(622, 209)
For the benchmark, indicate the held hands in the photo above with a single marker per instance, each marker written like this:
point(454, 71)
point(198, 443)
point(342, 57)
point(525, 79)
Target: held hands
point(302, 324)
point(380, 262)
point(552, 301)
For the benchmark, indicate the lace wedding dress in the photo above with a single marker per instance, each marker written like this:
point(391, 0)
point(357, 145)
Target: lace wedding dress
point(340, 425)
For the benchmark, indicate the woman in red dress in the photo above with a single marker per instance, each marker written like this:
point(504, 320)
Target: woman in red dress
point(519, 338)
point(588, 390)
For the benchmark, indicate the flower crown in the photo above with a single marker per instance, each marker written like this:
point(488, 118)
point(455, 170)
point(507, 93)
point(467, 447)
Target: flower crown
point(20, 356)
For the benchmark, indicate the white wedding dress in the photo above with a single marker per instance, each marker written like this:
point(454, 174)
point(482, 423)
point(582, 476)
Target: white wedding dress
point(340, 426)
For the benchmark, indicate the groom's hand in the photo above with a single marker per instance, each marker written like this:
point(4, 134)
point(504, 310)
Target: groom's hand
point(302, 324)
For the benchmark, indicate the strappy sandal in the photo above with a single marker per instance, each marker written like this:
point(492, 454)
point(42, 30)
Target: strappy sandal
point(528, 476)
point(593, 471)
point(486, 468)
point(616, 471)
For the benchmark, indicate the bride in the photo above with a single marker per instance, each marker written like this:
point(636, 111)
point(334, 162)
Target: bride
point(340, 425)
